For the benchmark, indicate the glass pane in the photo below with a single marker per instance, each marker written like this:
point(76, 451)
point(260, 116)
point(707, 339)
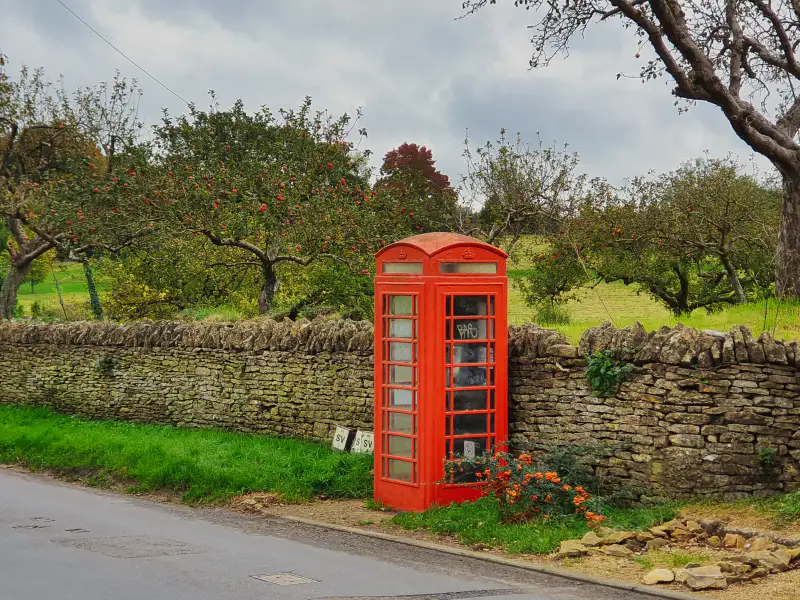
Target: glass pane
point(403, 399)
point(401, 446)
point(491, 305)
point(449, 401)
point(491, 399)
point(475, 423)
point(402, 268)
point(401, 423)
point(469, 376)
point(491, 376)
point(447, 425)
point(464, 400)
point(448, 305)
point(400, 352)
point(491, 353)
point(491, 423)
point(470, 329)
point(469, 306)
point(400, 375)
point(400, 470)
point(400, 328)
point(469, 353)
point(480, 445)
point(447, 354)
point(400, 305)
point(468, 267)
point(447, 378)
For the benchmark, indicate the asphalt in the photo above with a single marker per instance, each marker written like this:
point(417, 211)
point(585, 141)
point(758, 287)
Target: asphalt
point(72, 543)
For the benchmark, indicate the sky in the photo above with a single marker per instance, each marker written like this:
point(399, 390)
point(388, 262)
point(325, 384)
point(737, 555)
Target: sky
point(420, 74)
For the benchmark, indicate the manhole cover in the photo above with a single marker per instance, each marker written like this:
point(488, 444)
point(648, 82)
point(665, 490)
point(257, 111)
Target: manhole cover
point(284, 579)
point(131, 547)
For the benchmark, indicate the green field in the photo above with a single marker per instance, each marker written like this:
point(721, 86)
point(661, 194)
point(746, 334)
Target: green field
point(607, 302)
point(72, 283)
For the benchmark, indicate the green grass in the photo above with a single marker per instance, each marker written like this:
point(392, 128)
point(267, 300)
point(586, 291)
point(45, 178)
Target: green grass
point(200, 464)
point(479, 523)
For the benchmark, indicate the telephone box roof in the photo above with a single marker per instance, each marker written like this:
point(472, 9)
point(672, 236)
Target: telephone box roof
point(433, 243)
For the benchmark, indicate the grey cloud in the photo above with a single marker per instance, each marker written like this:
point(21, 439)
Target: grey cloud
point(420, 75)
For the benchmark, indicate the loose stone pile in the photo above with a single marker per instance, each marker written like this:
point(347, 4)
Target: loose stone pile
point(750, 558)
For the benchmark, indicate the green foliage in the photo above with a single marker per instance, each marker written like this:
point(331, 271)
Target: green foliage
point(201, 464)
point(167, 275)
point(481, 522)
point(699, 237)
point(522, 491)
point(788, 510)
point(575, 463)
point(604, 373)
point(552, 314)
point(766, 459)
point(105, 365)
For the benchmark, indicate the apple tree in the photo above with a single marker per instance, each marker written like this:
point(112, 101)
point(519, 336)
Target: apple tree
point(276, 189)
point(58, 154)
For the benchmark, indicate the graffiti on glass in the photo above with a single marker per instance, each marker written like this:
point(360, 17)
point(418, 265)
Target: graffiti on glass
point(467, 331)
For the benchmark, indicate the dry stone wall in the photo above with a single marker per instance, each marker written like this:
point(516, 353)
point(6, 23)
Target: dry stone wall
point(702, 413)
point(292, 378)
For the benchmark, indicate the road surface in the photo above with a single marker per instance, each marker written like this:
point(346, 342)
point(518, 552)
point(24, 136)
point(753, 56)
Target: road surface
point(67, 542)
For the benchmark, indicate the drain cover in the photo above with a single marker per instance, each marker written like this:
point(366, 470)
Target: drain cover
point(284, 579)
point(131, 547)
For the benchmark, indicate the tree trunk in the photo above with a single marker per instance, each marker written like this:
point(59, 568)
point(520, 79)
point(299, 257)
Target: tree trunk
point(269, 287)
point(787, 259)
point(94, 298)
point(733, 278)
point(10, 288)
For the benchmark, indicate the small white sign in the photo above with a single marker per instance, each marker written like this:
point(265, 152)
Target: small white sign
point(364, 442)
point(469, 450)
point(340, 438)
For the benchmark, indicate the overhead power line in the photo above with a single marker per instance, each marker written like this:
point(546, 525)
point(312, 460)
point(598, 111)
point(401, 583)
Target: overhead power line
point(125, 56)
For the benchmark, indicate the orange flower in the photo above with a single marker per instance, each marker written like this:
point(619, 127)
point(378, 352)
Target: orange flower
point(566, 488)
point(525, 459)
point(478, 475)
point(528, 476)
point(538, 476)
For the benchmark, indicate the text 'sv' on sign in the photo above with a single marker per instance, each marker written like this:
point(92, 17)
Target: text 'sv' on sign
point(341, 437)
point(364, 442)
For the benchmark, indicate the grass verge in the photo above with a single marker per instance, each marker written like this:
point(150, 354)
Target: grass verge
point(479, 523)
point(200, 464)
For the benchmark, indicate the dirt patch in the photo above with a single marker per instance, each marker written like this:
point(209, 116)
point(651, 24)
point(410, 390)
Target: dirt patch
point(742, 516)
point(351, 513)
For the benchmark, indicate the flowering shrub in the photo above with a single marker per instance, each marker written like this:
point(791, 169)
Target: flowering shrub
point(523, 492)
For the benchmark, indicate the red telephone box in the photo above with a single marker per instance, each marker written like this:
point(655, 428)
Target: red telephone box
point(441, 362)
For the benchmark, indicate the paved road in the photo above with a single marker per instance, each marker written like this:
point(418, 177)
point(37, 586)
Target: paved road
point(71, 543)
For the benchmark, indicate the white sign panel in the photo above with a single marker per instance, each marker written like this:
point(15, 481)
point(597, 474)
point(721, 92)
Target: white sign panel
point(340, 438)
point(469, 450)
point(363, 443)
